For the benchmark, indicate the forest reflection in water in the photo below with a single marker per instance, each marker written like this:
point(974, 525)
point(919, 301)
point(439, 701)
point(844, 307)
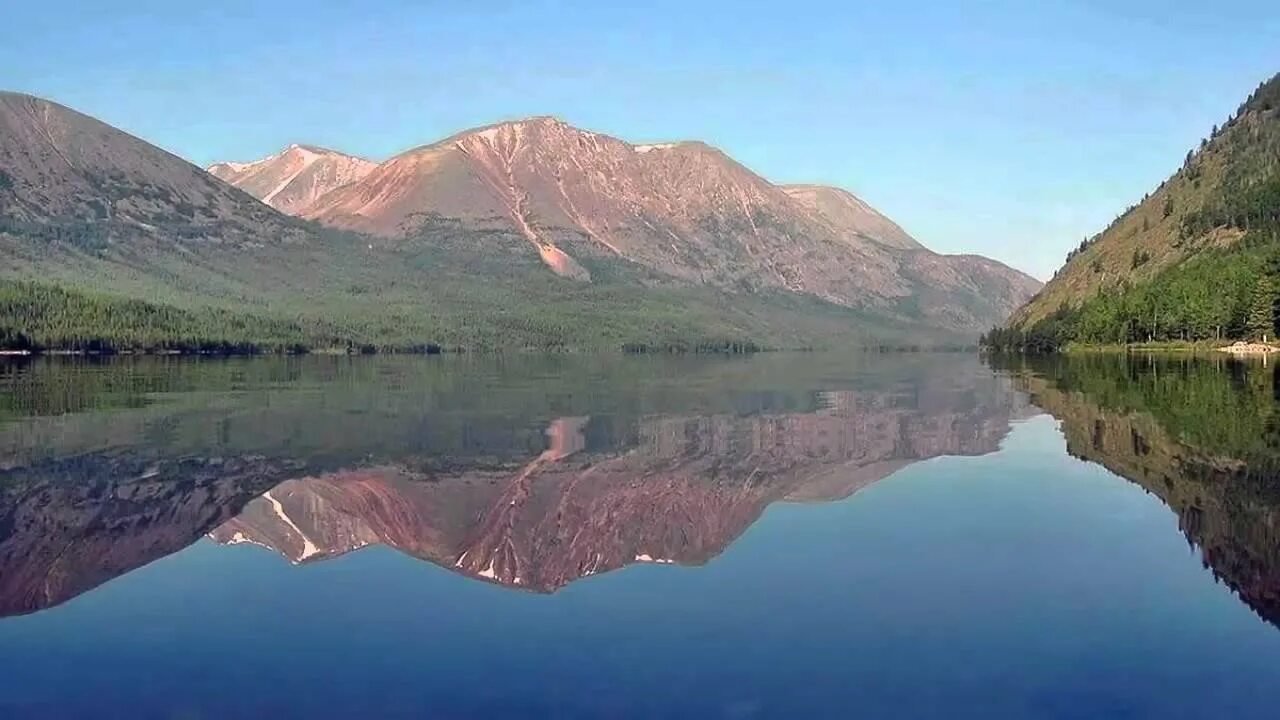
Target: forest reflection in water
point(1202, 433)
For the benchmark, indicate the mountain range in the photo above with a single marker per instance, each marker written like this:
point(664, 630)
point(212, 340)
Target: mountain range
point(685, 210)
point(530, 233)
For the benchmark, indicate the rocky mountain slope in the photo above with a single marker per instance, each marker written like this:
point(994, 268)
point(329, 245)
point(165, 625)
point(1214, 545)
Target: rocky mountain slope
point(293, 179)
point(848, 215)
point(1176, 265)
point(684, 210)
point(69, 178)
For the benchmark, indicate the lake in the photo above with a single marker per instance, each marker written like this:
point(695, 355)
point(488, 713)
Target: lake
point(783, 535)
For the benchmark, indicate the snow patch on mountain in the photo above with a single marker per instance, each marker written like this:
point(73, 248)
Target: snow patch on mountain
point(645, 149)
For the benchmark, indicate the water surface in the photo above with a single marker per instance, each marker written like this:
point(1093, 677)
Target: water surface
point(778, 536)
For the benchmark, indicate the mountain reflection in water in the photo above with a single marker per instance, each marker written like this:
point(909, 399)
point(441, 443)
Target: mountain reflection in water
point(640, 537)
point(681, 494)
point(535, 475)
point(670, 472)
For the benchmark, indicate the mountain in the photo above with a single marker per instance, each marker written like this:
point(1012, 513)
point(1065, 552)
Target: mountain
point(1188, 262)
point(685, 211)
point(67, 176)
point(294, 178)
point(109, 243)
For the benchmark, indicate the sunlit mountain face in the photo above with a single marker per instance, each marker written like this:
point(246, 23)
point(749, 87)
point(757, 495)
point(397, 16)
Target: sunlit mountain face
point(683, 210)
point(324, 459)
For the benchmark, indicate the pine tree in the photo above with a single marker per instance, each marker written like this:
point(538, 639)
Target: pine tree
point(1260, 321)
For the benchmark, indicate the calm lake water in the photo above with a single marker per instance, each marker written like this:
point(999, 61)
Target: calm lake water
point(902, 536)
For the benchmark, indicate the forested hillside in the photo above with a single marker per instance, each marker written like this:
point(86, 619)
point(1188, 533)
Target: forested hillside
point(347, 296)
point(1198, 259)
point(35, 316)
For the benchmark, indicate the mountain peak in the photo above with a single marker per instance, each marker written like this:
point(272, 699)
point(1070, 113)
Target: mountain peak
point(58, 165)
point(539, 120)
point(302, 149)
point(681, 209)
point(536, 124)
point(13, 95)
point(295, 177)
point(310, 149)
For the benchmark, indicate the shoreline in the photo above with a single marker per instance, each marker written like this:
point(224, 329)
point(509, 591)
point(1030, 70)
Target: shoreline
point(456, 352)
point(1249, 349)
point(1239, 348)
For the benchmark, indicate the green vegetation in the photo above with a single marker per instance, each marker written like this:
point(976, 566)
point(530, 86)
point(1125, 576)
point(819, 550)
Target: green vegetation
point(34, 317)
point(1218, 295)
point(450, 289)
point(1204, 267)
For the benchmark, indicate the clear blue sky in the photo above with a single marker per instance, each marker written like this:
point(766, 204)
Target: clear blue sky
point(1009, 128)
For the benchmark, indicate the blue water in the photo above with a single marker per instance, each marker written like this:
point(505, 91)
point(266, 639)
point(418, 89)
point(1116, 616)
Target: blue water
point(1019, 583)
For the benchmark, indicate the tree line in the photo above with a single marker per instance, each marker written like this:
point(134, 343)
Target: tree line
point(36, 317)
point(1221, 295)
